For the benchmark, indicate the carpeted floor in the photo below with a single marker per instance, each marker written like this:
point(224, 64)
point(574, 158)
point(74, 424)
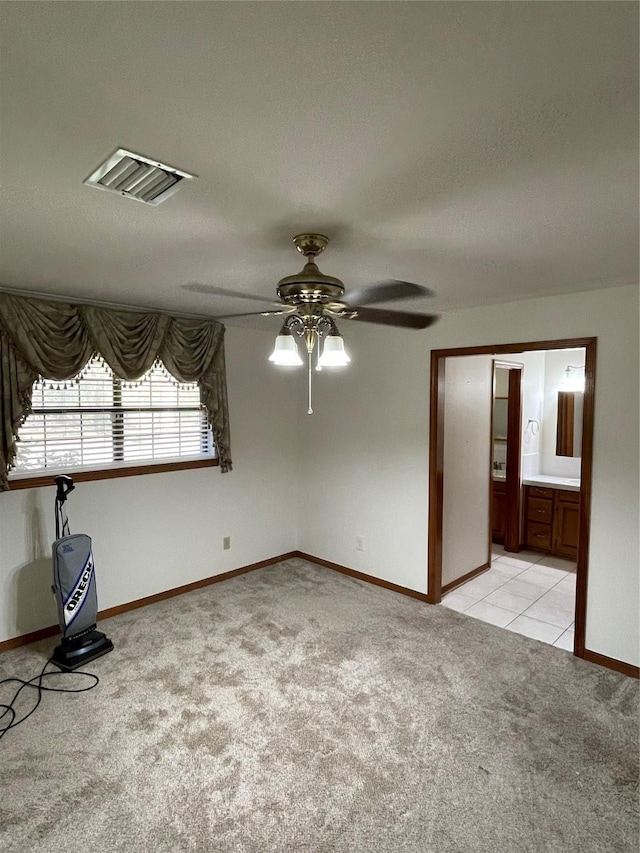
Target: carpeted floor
point(296, 709)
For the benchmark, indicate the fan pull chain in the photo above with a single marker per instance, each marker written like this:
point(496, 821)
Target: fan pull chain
point(309, 410)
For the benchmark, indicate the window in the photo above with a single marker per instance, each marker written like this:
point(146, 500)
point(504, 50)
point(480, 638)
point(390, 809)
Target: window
point(98, 422)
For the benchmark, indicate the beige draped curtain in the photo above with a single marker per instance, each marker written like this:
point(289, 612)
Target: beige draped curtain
point(56, 339)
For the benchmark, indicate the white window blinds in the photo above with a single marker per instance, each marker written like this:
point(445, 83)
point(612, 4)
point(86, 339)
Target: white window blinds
point(96, 421)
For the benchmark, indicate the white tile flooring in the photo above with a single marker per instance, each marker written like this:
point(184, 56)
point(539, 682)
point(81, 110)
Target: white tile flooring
point(531, 594)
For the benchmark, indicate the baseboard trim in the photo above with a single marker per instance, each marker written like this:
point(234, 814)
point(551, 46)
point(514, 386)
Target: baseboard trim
point(31, 637)
point(459, 581)
point(612, 663)
point(51, 630)
point(403, 590)
point(189, 587)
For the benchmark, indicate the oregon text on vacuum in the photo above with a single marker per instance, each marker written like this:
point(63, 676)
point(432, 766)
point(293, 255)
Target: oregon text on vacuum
point(80, 591)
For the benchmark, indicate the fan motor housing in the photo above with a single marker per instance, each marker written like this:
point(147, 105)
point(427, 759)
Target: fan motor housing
point(310, 285)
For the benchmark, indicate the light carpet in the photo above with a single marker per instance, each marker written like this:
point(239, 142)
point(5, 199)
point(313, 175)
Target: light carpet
point(297, 709)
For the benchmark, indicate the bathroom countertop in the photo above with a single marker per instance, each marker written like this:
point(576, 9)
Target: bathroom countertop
point(551, 482)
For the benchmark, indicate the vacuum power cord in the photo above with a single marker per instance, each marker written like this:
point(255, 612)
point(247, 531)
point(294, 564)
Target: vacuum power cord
point(37, 684)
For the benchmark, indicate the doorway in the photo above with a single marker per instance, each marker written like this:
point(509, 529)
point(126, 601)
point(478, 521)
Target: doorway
point(437, 463)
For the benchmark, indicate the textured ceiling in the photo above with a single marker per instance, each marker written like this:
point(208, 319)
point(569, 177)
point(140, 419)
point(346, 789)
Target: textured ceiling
point(487, 150)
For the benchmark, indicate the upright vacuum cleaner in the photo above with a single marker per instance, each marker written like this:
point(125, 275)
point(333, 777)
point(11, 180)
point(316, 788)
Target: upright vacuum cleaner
point(74, 586)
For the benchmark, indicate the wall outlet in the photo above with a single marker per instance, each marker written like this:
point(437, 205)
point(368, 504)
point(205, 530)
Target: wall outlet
point(226, 543)
point(360, 543)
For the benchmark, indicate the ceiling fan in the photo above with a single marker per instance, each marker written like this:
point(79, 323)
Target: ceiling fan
point(311, 300)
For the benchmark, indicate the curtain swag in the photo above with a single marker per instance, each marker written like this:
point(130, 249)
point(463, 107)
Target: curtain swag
point(56, 339)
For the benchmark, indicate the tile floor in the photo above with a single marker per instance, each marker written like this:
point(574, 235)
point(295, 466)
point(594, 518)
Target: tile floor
point(531, 594)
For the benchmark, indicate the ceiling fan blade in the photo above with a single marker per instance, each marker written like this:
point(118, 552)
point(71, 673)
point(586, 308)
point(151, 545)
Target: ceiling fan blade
point(211, 290)
point(403, 319)
point(386, 291)
point(255, 314)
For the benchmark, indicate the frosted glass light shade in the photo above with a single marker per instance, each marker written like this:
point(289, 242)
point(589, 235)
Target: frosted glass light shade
point(333, 353)
point(285, 351)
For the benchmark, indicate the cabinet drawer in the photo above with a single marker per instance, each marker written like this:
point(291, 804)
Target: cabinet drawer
point(571, 497)
point(539, 535)
point(539, 492)
point(539, 509)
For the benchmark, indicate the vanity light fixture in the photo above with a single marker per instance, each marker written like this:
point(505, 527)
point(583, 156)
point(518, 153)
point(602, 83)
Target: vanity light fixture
point(571, 381)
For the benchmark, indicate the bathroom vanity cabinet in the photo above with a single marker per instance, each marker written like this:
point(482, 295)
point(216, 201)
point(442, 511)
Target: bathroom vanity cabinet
point(498, 510)
point(551, 520)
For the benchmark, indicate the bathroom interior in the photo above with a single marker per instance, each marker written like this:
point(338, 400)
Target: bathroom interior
point(530, 585)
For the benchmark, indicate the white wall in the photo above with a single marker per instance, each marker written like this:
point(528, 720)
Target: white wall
point(532, 398)
point(532, 410)
point(366, 449)
point(363, 458)
point(159, 531)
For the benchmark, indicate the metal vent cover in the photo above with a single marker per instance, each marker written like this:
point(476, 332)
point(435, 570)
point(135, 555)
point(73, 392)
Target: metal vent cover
point(137, 177)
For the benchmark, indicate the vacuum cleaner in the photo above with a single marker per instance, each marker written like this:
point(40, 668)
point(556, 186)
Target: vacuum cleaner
point(74, 586)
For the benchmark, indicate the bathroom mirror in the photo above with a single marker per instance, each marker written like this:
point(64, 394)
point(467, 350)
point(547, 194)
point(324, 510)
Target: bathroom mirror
point(569, 423)
point(500, 405)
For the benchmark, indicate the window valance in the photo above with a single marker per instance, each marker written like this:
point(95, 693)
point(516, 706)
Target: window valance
point(56, 339)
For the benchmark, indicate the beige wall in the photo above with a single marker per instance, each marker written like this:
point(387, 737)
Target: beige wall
point(156, 532)
point(366, 449)
point(357, 467)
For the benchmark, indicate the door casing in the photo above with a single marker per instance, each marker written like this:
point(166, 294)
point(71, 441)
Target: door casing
point(436, 464)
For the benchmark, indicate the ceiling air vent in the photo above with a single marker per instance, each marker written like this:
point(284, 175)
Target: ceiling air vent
point(137, 177)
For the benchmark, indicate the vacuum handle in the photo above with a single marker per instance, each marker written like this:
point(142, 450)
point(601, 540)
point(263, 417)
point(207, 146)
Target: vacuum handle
point(65, 485)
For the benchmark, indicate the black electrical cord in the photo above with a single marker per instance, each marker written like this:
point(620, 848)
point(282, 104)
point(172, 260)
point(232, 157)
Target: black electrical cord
point(36, 684)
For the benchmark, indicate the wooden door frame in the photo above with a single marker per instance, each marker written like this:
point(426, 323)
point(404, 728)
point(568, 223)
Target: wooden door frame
point(511, 540)
point(436, 463)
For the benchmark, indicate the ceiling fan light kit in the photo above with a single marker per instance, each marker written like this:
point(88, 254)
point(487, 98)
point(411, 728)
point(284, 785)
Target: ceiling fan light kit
point(286, 352)
point(312, 300)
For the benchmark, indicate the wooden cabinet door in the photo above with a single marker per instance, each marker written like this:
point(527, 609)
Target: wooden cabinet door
point(538, 536)
point(498, 512)
point(565, 526)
